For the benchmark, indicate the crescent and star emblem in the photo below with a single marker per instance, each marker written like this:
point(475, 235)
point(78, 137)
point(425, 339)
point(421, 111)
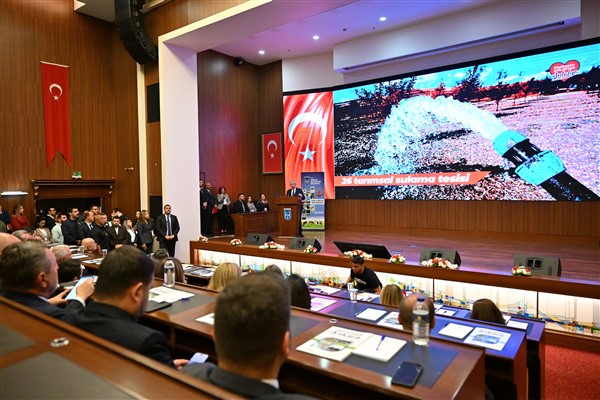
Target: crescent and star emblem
point(55, 86)
point(274, 143)
point(307, 117)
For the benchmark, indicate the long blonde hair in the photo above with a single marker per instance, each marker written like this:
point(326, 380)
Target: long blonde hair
point(223, 274)
point(391, 295)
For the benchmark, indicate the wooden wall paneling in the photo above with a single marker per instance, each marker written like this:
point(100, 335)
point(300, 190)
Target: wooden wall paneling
point(154, 163)
point(228, 123)
point(270, 110)
point(50, 31)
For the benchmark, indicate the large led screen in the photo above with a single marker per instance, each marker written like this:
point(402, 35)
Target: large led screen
point(519, 128)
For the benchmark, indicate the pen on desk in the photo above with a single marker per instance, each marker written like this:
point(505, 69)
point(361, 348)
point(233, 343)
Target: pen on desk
point(380, 341)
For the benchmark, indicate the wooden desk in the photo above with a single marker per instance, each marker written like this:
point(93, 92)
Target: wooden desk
point(255, 222)
point(322, 378)
point(88, 367)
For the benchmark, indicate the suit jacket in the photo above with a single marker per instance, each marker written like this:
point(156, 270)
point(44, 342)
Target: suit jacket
point(240, 207)
point(50, 222)
point(84, 231)
point(161, 227)
point(144, 233)
point(101, 237)
point(207, 196)
point(41, 305)
point(123, 237)
point(69, 230)
point(117, 326)
point(241, 385)
point(299, 193)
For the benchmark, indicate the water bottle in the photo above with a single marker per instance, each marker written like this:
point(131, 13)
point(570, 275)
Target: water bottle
point(420, 325)
point(169, 273)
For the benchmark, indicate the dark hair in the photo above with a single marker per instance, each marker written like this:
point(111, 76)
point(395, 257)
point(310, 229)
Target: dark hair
point(221, 188)
point(358, 260)
point(21, 263)
point(274, 269)
point(69, 270)
point(247, 331)
point(486, 310)
point(38, 219)
point(160, 254)
point(299, 291)
point(159, 272)
point(121, 269)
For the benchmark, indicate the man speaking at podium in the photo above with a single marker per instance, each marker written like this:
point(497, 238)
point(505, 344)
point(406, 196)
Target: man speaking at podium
point(293, 191)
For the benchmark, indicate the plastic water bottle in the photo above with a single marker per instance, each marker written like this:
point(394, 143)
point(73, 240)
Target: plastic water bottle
point(420, 325)
point(169, 273)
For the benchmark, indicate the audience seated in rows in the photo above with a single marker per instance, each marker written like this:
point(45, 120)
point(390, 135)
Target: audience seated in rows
point(299, 291)
point(159, 271)
point(224, 273)
point(122, 293)
point(29, 275)
point(406, 309)
point(252, 338)
point(69, 270)
point(486, 310)
point(391, 295)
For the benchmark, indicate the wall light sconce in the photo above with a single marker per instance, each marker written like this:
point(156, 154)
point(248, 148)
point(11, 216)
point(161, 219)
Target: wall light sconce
point(13, 193)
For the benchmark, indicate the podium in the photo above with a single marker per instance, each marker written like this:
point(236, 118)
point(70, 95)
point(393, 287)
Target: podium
point(289, 210)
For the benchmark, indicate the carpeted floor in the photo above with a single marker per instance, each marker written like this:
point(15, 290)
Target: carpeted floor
point(572, 374)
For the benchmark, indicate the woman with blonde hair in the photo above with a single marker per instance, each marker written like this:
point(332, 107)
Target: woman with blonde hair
point(223, 274)
point(391, 295)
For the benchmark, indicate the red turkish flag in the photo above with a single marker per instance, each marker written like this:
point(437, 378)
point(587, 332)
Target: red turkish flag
point(271, 144)
point(55, 91)
point(308, 130)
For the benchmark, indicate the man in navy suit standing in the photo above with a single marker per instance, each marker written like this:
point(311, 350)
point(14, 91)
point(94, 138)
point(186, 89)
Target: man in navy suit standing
point(294, 191)
point(167, 228)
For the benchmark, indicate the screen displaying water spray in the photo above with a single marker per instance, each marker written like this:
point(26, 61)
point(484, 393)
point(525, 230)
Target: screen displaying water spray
point(514, 128)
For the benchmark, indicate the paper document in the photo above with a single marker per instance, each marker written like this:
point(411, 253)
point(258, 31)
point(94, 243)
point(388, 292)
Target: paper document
point(371, 314)
point(334, 343)
point(518, 325)
point(319, 303)
point(326, 289)
point(445, 312)
point(207, 319)
point(489, 338)
point(380, 348)
point(78, 256)
point(162, 293)
point(391, 321)
point(456, 330)
point(366, 296)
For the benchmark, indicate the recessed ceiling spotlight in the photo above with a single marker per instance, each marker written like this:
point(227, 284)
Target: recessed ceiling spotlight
point(316, 37)
point(382, 19)
point(261, 52)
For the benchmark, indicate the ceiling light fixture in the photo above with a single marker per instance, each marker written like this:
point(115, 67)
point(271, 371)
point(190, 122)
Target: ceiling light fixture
point(382, 19)
point(261, 52)
point(316, 37)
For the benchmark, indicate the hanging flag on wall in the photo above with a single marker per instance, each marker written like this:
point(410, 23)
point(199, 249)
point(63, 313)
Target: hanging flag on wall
point(271, 145)
point(308, 132)
point(57, 123)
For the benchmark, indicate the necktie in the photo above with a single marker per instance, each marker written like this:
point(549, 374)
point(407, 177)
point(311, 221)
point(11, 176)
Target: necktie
point(168, 225)
point(293, 192)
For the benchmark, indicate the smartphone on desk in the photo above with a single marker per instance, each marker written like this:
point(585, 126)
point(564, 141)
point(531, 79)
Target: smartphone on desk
point(408, 374)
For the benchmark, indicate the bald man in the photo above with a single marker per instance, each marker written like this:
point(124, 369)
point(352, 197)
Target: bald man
point(406, 309)
point(7, 239)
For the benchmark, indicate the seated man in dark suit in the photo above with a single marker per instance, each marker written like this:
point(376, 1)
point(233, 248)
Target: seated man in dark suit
point(252, 337)
point(117, 234)
point(240, 205)
point(122, 292)
point(29, 276)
